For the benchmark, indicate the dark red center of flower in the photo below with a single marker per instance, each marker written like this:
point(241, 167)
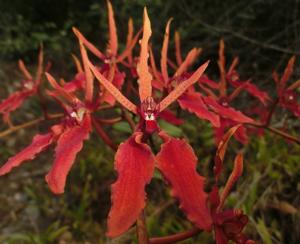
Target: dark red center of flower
point(149, 112)
point(224, 101)
point(28, 84)
point(289, 97)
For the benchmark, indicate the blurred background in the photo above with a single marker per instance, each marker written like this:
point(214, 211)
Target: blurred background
point(263, 33)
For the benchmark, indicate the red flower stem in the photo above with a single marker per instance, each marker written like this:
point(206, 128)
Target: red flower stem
point(277, 132)
point(109, 121)
point(176, 237)
point(42, 102)
point(271, 112)
point(103, 135)
point(127, 117)
point(29, 124)
point(141, 229)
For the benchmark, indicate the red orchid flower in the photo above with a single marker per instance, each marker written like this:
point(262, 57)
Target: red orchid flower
point(190, 100)
point(134, 160)
point(287, 95)
point(221, 103)
point(68, 135)
point(228, 224)
point(30, 86)
point(111, 58)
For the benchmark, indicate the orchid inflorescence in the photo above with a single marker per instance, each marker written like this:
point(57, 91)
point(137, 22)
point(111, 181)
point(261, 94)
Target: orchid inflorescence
point(100, 86)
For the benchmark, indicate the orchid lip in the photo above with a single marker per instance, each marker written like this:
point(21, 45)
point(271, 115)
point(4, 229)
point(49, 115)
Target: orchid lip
point(78, 115)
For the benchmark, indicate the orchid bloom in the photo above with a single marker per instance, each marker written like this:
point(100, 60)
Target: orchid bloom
point(228, 224)
point(30, 86)
point(221, 103)
point(68, 135)
point(111, 58)
point(287, 95)
point(190, 100)
point(135, 162)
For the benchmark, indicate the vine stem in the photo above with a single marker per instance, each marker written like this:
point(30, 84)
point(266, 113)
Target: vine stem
point(102, 134)
point(141, 229)
point(176, 237)
point(276, 131)
point(15, 128)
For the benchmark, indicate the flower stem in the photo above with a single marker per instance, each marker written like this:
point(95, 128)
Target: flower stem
point(141, 229)
point(103, 135)
point(15, 128)
point(276, 131)
point(176, 237)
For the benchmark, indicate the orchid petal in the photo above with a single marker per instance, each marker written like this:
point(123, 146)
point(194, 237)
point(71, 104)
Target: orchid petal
point(182, 87)
point(69, 144)
point(113, 37)
point(192, 101)
point(88, 44)
point(164, 53)
point(89, 78)
point(287, 72)
point(112, 89)
point(227, 112)
point(134, 163)
point(39, 143)
point(221, 150)
point(177, 162)
point(177, 48)
point(14, 101)
point(145, 77)
point(189, 60)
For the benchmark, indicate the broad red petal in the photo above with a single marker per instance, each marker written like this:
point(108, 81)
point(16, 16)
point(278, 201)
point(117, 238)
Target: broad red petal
point(68, 145)
point(177, 161)
point(14, 101)
point(227, 112)
point(134, 163)
point(39, 143)
point(192, 101)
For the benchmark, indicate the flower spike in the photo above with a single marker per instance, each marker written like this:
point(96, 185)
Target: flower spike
point(145, 78)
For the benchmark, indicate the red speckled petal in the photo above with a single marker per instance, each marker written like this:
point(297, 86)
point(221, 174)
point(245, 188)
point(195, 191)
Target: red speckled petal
point(39, 143)
point(134, 163)
point(177, 162)
point(145, 77)
point(193, 102)
point(68, 145)
point(182, 87)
